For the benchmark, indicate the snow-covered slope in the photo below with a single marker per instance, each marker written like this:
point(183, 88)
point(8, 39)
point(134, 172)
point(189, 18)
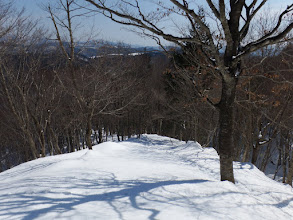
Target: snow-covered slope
point(149, 178)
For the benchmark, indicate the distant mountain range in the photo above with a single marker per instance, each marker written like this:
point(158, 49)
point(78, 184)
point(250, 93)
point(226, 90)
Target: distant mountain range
point(99, 48)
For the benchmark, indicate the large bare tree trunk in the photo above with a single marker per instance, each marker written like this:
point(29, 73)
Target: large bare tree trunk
point(226, 119)
point(226, 147)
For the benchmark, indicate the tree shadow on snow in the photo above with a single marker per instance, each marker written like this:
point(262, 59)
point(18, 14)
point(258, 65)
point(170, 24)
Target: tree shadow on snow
point(145, 140)
point(131, 191)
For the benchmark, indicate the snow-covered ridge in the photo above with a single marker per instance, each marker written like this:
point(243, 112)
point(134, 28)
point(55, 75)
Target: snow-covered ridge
point(149, 178)
point(118, 54)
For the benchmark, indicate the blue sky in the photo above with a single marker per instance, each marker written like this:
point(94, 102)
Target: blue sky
point(105, 28)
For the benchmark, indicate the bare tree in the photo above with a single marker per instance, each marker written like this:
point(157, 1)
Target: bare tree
point(234, 19)
point(17, 34)
point(63, 24)
point(93, 83)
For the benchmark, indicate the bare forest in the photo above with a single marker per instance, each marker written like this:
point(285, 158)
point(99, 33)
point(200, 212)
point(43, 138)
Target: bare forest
point(230, 89)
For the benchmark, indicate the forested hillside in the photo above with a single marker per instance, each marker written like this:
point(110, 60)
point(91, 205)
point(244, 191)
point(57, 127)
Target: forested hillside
point(59, 95)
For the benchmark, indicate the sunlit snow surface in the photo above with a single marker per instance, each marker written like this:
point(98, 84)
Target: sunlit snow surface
point(149, 178)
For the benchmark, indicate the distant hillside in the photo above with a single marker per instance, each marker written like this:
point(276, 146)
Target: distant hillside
point(98, 48)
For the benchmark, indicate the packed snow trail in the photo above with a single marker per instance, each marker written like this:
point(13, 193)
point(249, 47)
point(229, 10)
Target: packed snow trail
point(149, 178)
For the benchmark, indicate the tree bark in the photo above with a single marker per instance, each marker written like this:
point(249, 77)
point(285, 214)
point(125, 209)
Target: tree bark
point(88, 134)
point(100, 132)
point(290, 170)
point(43, 143)
point(226, 147)
point(226, 119)
point(266, 157)
point(54, 139)
point(32, 145)
point(255, 152)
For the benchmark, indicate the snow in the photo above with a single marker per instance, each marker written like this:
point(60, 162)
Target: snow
point(119, 54)
point(135, 54)
point(149, 178)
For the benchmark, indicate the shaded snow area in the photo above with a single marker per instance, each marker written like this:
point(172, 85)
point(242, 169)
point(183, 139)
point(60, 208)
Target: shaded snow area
point(149, 178)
